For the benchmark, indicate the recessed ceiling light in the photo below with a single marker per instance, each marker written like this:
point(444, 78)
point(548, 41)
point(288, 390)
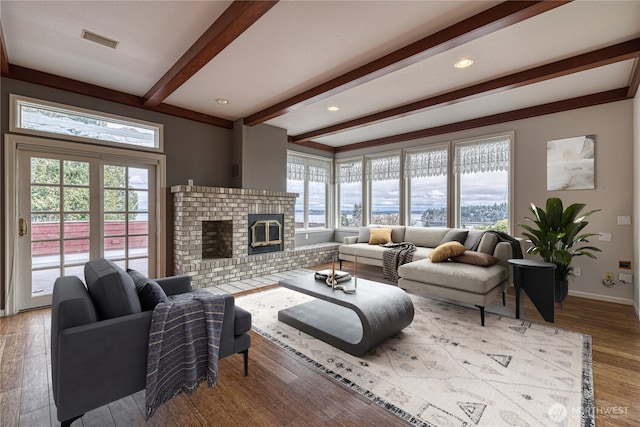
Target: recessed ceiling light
point(333, 108)
point(463, 63)
point(97, 38)
point(222, 101)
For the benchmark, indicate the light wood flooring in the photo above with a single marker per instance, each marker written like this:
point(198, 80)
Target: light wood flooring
point(282, 391)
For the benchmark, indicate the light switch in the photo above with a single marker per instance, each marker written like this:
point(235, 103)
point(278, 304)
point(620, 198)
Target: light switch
point(624, 220)
point(605, 237)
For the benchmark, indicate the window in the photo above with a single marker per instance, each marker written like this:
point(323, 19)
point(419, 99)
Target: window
point(310, 178)
point(383, 179)
point(482, 170)
point(44, 118)
point(426, 171)
point(349, 183)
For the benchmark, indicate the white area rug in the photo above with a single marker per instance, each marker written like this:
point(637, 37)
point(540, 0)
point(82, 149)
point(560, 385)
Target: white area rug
point(447, 370)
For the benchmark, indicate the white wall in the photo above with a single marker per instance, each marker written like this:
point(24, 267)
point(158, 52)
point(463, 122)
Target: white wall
point(613, 126)
point(636, 202)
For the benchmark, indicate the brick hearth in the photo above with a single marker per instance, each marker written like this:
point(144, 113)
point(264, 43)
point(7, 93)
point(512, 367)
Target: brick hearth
point(225, 257)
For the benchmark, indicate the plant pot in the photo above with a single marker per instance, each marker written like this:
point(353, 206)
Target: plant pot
point(562, 290)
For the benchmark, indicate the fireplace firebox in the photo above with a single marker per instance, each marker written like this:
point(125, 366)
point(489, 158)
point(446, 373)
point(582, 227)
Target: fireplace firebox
point(265, 233)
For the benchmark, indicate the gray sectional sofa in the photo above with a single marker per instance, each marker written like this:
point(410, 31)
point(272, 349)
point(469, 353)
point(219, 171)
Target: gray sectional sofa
point(471, 284)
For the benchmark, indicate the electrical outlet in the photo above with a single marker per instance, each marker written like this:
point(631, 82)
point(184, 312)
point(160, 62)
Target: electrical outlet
point(625, 278)
point(608, 276)
point(577, 271)
point(306, 236)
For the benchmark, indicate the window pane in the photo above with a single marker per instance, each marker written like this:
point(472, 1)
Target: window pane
point(114, 247)
point(294, 186)
point(138, 246)
point(138, 178)
point(385, 202)
point(114, 200)
point(76, 251)
point(384, 186)
point(484, 200)
point(45, 226)
point(76, 173)
point(115, 176)
point(45, 199)
point(138, 201)
point(62, 121)
point(317, 205)
point(45, 254)
point(76, 199)
point(45, 171)
point(428, 203)
point(351, 204)
point(114, 224)
point(76, 226)
point(137, 225)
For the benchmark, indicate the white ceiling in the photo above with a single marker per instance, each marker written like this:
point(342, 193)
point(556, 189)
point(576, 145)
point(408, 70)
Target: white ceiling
point(300, 44)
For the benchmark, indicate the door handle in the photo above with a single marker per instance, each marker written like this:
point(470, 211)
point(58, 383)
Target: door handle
point(22, 227)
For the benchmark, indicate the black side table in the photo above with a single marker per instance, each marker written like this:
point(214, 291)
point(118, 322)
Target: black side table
point(537, 279)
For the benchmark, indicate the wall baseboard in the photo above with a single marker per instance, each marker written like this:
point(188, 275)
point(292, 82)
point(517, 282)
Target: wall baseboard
point(617, 300)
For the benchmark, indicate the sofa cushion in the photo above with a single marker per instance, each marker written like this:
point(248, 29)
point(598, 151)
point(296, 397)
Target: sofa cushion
point(447, 250)
point(150, 292)
point(379, 236)
point(476, 258)
point(455, 235)
point(473, 239)
point(488, 243)
point(465, 277)
point(111, 288)
point(427, 237)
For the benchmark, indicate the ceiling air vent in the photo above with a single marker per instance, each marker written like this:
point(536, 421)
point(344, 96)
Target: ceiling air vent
point(97, 38)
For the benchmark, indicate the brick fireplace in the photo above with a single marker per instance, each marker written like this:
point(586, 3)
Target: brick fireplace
point(212, 234)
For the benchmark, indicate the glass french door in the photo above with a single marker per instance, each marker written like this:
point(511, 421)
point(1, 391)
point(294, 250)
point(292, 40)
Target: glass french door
point(76, 208)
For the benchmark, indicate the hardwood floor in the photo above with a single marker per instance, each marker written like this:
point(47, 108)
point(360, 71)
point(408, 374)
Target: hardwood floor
point(281, 390)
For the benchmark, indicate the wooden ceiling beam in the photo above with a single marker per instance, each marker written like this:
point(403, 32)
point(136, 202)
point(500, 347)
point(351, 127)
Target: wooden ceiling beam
point(482, 24)
point(235, 20)
point(608, 55)
point(634, 80)
point(75, 86)
point(524, 113)
point(4, 58)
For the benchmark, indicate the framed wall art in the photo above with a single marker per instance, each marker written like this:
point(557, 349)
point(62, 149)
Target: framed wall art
point(571, 163)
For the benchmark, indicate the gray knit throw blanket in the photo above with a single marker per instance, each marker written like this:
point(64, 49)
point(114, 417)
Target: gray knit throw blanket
point(396, 255)
point(184, 344)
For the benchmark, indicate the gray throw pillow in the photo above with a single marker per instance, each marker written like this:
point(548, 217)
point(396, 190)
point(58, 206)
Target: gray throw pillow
point(473, 239)
point(149, 291)
point(111, 288)
point(363, 235)
point(455, 235)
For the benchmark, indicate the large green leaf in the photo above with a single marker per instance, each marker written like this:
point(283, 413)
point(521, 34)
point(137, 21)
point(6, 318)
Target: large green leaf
point(554, 233)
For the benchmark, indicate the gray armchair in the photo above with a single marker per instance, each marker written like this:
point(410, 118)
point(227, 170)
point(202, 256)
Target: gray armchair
point(99, 355)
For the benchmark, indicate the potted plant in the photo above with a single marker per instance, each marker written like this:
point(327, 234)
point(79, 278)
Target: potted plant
point(557, 238)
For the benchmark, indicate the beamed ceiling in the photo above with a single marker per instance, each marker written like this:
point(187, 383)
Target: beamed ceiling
point(387, 65)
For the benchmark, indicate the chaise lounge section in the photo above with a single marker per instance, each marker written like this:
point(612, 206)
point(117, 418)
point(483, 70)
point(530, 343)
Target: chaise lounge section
point(477, 274)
